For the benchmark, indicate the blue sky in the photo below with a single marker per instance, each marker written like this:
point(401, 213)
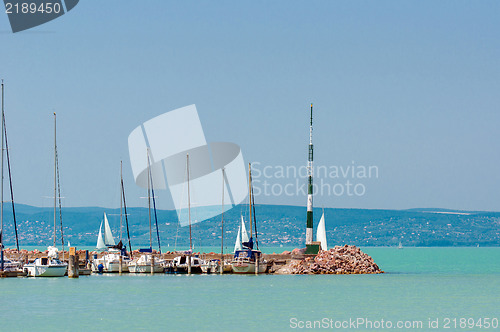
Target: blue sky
point(409, 87)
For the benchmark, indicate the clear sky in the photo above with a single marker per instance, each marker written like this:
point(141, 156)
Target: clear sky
point(409, 87)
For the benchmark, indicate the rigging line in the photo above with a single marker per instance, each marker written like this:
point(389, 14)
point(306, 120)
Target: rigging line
point(254, 219)
point(10, 182)
point(59, 199)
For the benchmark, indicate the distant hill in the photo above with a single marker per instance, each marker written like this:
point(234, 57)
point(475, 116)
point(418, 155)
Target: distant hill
point(276, 225)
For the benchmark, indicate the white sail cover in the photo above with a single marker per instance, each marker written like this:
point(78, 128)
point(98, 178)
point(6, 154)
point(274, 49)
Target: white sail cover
point(237, 244)
point(53, 252)
point(321, 233)
point(108, 236)
point(100, 243)
point(244, 234)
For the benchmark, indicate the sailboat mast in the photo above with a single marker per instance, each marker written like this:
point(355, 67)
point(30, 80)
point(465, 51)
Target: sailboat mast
point(309, 229)
point(121, 201)
point(222, 226)
point(149, 204)
point(55, 177)
point(10, 176)
point(1, 203)
point(250, 196)
point(189, 204)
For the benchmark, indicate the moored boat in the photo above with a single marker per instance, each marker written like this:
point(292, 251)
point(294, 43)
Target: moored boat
point(180, 264)
point(145, 263)
point(249, 260)
point(113, 256)
point(48, 266)
point(245, 260)
point(110, 262)
point(8, 267)
point(51, 266)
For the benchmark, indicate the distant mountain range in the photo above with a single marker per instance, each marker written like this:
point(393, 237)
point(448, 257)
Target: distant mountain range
point(276, 224)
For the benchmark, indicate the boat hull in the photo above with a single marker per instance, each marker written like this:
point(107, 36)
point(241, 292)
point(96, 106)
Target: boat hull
point(248, 267)
point(110, 267)
point(184, 270)
point(45, 270)
point(145, 268)
point(12, 274)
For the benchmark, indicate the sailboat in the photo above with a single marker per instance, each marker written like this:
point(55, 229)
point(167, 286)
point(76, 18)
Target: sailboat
point(113, 254)
point(321, 233)
point(8, 268)
point(147, 263)
point(248, 260)
point(50, 265)
point(186, 262)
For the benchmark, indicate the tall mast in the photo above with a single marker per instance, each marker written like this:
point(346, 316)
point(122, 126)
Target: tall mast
point(55, 177)
point(121, 201)
point(189, 203)
point(309, 229)
point(250, 196)
point(222, 228)
point(10, 175)
point(1, 203)
point(149, 204)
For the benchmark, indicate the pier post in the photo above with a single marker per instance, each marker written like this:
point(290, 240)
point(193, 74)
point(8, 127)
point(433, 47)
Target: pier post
point(120, 264)
point(189, 263)
point(72, 264)
point(256, 263)
point(152, 263)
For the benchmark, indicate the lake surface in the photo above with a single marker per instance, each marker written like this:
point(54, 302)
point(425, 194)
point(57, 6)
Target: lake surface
point(446, 287)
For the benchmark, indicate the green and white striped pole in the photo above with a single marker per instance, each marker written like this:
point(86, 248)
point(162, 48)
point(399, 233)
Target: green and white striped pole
point(309, 230)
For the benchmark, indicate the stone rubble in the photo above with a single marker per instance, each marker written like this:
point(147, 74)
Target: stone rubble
point(338, 260)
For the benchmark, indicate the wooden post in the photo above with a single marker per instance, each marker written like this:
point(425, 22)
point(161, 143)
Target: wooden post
point(120, 262)
point(256, 263)
point(72, 264)
point(152, 263)
point(189, 263)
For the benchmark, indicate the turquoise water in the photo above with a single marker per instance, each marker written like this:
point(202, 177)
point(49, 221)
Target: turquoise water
point(420, 283)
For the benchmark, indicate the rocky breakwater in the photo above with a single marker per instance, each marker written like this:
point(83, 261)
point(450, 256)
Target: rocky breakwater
point(338, 260)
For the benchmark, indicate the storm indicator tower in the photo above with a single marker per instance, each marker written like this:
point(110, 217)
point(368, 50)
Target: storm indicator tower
point(312, 248)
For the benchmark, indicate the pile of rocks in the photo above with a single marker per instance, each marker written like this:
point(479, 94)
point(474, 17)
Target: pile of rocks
point(338, 260)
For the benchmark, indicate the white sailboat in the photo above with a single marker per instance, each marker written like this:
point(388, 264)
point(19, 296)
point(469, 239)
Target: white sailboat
point(50, 265)
point(147, 263)
point(108, 240)
point(248, 260)
point(109, 262)
point(321, 233)
point(8, 267)
point(186, 263)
